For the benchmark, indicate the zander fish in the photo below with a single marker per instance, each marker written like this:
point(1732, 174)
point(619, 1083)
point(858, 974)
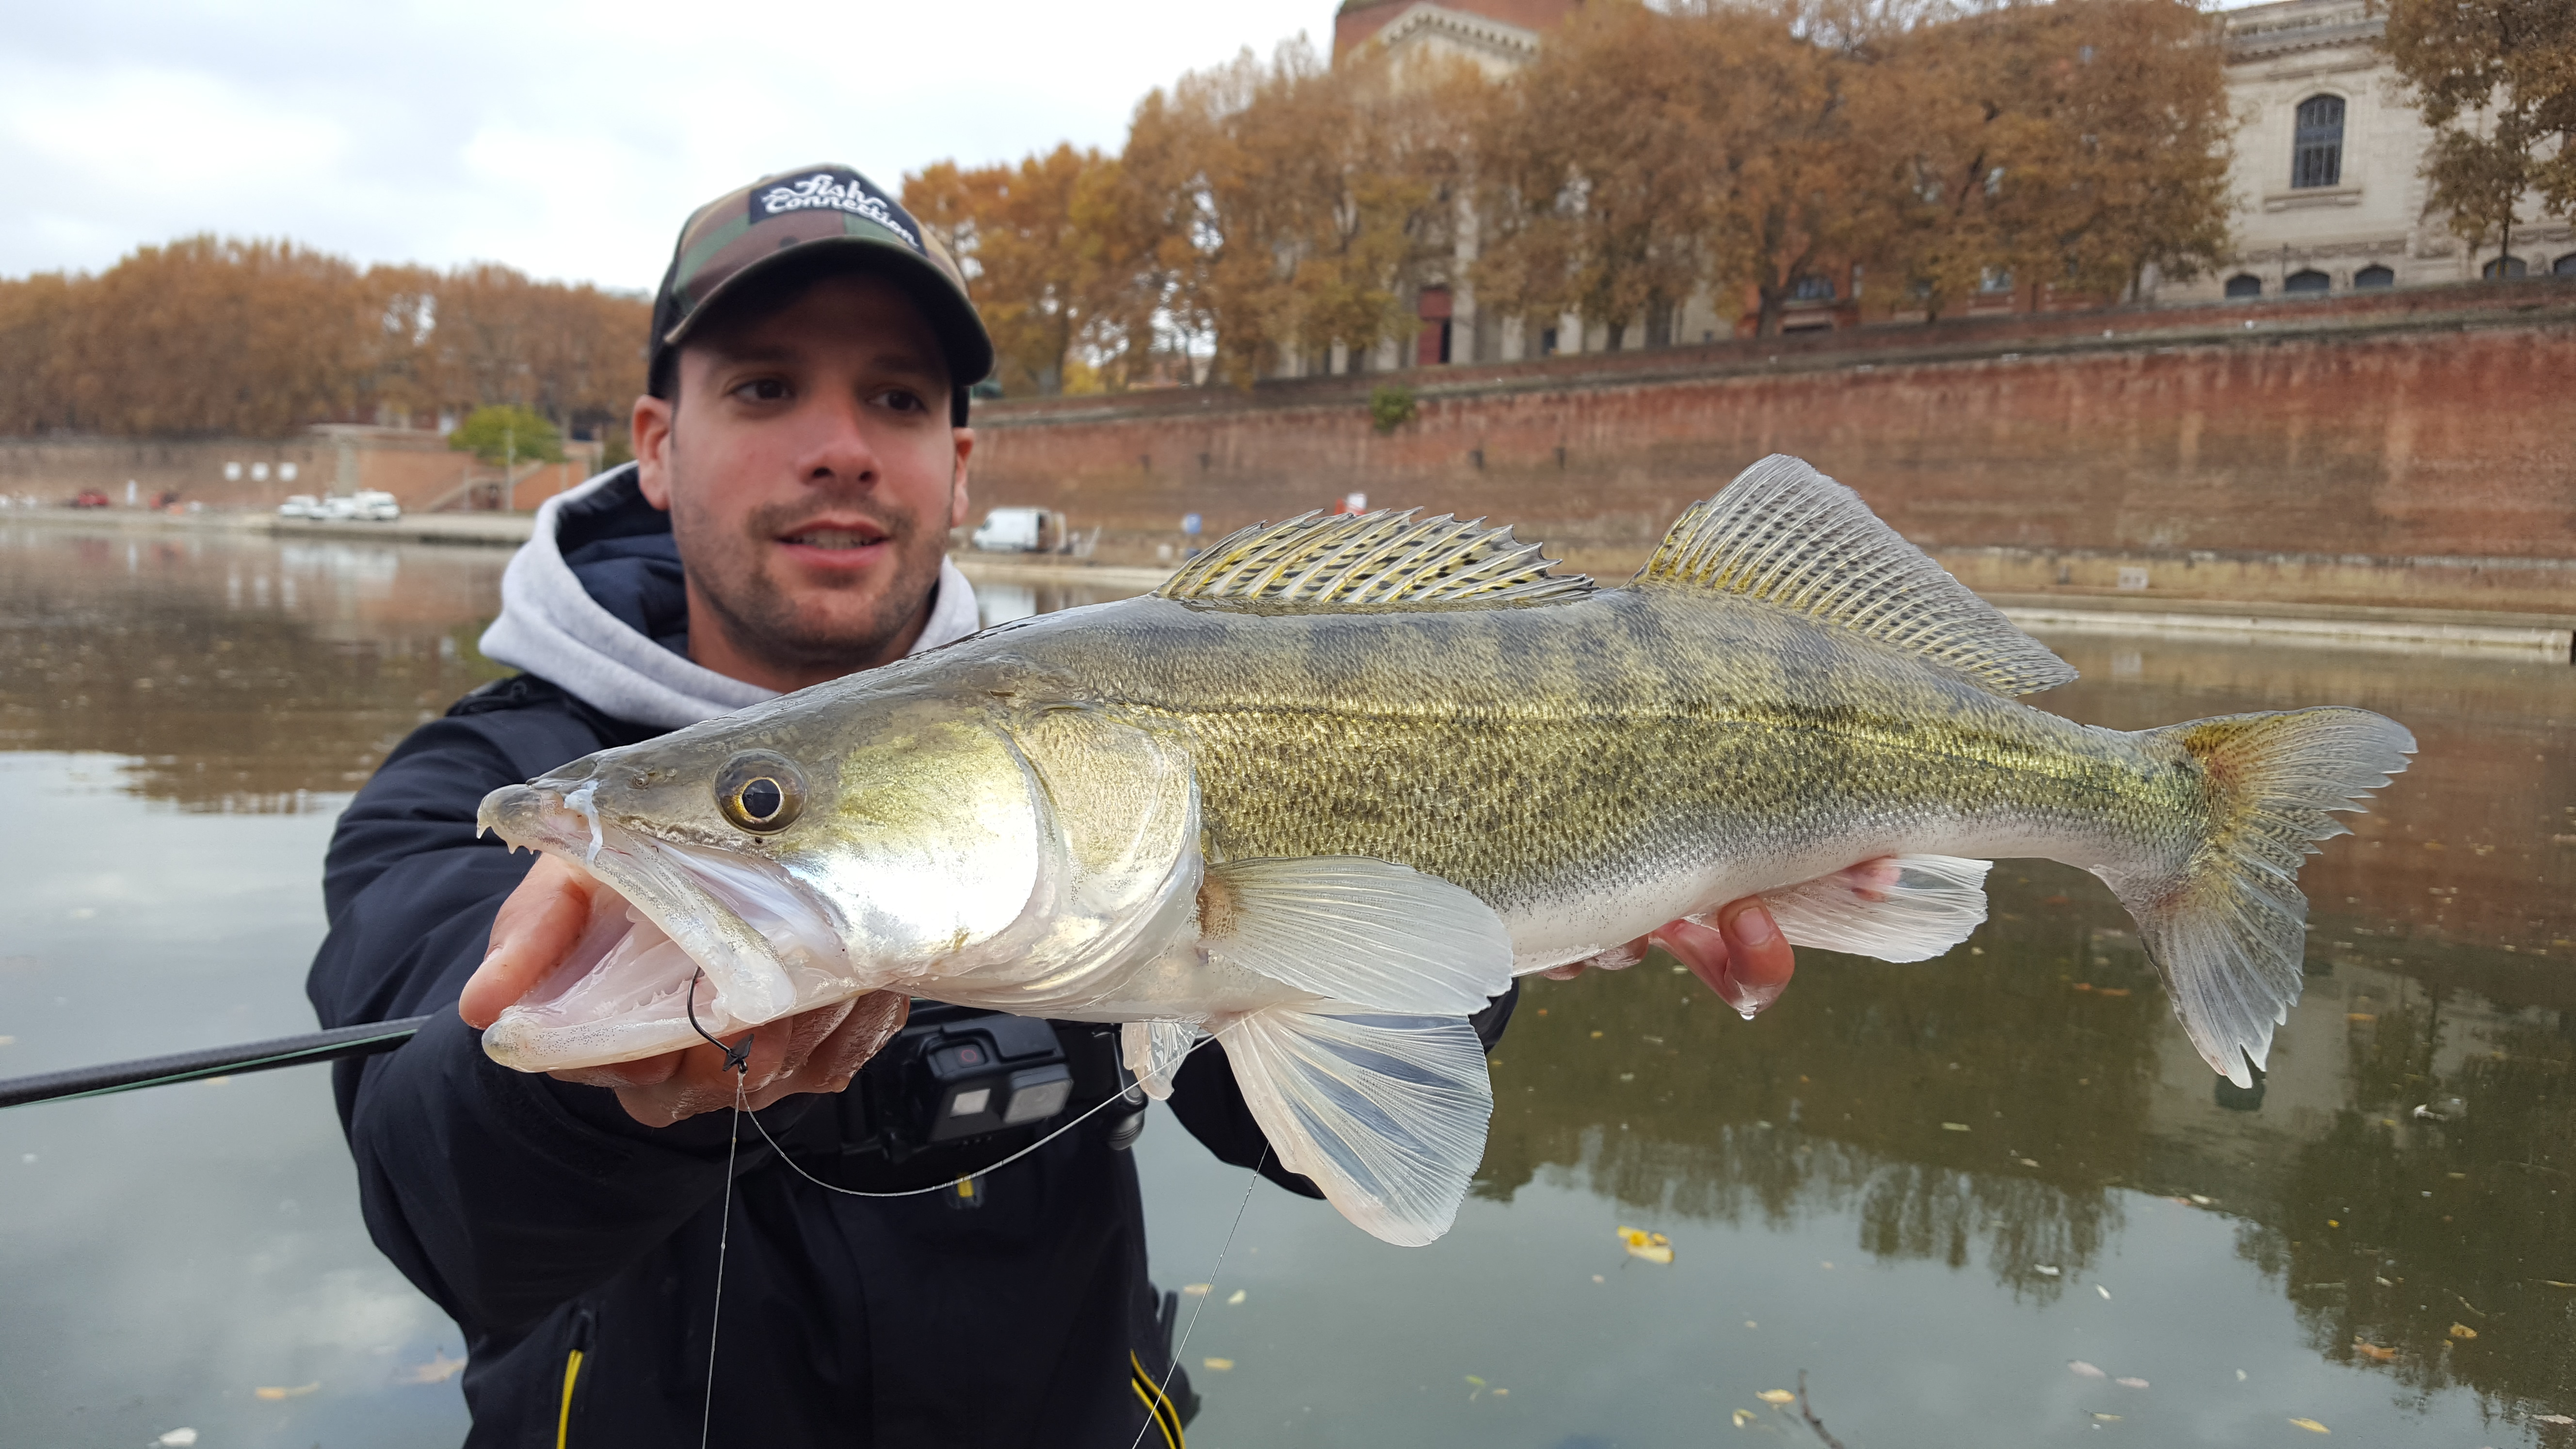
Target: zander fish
point(1328, 789)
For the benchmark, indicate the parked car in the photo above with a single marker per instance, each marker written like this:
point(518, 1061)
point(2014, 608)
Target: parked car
point(1023, 530)
point(89, 498)
point(368, 505)
point(300, 505)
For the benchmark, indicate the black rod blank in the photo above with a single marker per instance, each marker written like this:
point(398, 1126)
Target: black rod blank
point(258, 1056)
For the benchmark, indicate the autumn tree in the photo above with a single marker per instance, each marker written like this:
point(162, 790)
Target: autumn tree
point(210, 336)
point(2128, 166)
point(1293, 203)
point(2497, 82)
point(1046, 262)
point(1595, 171)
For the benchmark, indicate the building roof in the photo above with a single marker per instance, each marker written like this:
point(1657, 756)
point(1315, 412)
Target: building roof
point(2260, 32)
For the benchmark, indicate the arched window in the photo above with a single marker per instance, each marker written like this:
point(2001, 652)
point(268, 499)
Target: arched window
point(2505, 269)
point(2316, 156)
point(2245, 284)
point(2310, 280)
point(2375, 275)
point(2564, 267)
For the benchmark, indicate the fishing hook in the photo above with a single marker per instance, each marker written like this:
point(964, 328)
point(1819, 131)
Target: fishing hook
point(737, 1058)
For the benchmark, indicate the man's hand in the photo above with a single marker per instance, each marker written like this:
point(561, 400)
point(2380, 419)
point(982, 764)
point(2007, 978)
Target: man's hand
point(814, 1051)
point(1743, 958)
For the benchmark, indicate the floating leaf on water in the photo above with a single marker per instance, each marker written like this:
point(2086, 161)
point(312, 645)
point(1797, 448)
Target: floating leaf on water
point(438, 1370)
point(1653, 1247)
point(2462, 1330)
point(1596, 1036)
point(1954, 1127)
point(1502, 1393)
point(2312, 1426)
point(8, 1041)
point(2200, 1201)
point(2102, 1418)
point(2050, 1270)
point(1744, 1417)
point(1196, 1290)
point(1217, 1365)
point(1237, 1296)
point(2105, 1292)
point(2240, 1376)
point(177, 1439)
point(2360, 1016)
point(1777, 1396)
point(2110, 990)
point(2559, 1421)
point(2554, 1283)
point(2131, 1383)
point(2085, 1369)
point(1471, 1378)
point(297, 1392)
point(2372, 1351)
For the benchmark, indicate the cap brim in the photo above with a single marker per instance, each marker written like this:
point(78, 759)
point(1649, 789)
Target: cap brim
point(952, 317)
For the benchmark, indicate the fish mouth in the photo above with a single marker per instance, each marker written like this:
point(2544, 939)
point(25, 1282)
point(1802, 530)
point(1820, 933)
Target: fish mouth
point(730, 937)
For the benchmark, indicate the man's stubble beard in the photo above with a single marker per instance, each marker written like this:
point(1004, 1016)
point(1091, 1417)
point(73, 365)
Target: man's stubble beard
point(730, 572)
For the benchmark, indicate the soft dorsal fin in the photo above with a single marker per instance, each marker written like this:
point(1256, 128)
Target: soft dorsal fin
point(1789, 536)
point(1371, 560)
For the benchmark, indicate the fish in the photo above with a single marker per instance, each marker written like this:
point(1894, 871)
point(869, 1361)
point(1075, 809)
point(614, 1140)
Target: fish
point(1324, 793)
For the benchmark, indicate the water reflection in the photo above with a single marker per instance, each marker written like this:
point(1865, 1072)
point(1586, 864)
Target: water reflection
point(2010, 1156)
point(236, 674)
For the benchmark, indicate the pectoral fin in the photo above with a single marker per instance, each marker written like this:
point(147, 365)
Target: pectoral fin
point(1153, 1050)
point(1386, 1113)
point(1912, 908)
point(1374, 935)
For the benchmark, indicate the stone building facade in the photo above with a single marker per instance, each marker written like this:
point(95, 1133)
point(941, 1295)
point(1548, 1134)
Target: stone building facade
point(2329, 150)
point(2329, 198)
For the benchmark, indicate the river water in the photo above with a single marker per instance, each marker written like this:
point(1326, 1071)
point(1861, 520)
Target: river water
point(1985, 1200)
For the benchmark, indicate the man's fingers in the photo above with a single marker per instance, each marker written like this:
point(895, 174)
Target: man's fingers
point(1700, 947)
point(1759, 961)
point(872, 1022)
point(538, 926)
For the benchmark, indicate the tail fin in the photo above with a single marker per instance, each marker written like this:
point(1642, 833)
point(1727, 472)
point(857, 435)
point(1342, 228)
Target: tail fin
point(2227, 929)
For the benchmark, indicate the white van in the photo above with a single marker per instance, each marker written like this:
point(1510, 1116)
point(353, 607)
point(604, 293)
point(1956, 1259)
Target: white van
point(1020, 530)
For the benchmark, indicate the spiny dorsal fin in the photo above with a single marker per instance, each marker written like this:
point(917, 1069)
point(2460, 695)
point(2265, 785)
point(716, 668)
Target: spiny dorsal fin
point(1789, 536)
point(1371, 560)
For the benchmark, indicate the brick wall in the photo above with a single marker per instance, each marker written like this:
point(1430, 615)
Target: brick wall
point(2409, 453)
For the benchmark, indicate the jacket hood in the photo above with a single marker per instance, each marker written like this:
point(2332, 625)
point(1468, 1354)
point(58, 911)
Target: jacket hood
point(595, 602)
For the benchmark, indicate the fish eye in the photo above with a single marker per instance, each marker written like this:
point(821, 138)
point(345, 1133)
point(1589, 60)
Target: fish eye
point(760, 792)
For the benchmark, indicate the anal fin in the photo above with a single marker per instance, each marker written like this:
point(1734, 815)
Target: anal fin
point(1386, 1114)
point(1896, 908)
point(1153, 1051)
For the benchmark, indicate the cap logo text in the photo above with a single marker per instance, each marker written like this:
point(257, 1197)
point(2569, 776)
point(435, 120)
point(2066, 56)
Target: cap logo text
point(825, 190)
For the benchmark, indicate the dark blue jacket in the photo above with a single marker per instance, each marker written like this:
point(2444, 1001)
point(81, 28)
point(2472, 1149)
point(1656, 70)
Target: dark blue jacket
point(577, 1249)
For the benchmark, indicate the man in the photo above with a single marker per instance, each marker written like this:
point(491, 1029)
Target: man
point(801, 457)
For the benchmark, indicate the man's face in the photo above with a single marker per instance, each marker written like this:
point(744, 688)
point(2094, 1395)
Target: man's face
point(811, 476)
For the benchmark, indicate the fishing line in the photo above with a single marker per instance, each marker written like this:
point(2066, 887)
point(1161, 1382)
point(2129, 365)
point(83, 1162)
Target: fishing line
point(1172, 1362)
point(953, 1183)
point(738, 1058)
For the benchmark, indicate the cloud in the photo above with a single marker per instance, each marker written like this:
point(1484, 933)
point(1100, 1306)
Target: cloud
point(567, 139)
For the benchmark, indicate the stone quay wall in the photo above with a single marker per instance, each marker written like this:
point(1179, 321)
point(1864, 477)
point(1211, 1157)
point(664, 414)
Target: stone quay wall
point(2413, 451)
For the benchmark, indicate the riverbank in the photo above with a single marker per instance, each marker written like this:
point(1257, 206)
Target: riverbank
point(2436, 631)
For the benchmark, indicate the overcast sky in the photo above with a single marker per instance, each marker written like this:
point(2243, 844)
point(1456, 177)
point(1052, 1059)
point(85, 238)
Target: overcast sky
point(568, 138)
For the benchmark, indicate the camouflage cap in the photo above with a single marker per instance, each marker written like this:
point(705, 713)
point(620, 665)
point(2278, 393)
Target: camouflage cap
point(803, 216)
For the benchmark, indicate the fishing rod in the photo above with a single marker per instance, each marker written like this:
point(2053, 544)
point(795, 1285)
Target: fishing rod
point(365, 1039)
